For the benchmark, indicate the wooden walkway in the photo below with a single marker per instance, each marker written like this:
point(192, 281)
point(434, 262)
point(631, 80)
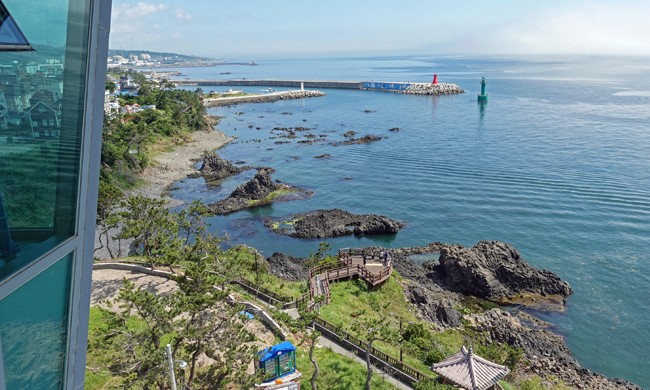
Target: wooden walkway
point(374, 270)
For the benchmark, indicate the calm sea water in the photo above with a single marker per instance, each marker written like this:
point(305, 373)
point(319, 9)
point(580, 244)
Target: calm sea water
point(556, 164)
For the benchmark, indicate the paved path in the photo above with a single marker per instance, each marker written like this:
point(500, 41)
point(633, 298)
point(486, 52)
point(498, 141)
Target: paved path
point(342, 351)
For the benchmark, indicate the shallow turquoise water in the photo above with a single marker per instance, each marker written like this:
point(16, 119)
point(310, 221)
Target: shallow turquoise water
point(556, 164)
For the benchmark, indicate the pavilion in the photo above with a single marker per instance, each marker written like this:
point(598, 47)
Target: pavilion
point(469, 371)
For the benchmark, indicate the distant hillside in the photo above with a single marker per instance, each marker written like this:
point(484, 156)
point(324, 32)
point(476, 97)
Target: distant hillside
point(155, 54)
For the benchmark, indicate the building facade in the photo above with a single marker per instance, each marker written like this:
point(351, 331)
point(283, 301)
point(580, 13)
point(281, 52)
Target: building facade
point(48, 186)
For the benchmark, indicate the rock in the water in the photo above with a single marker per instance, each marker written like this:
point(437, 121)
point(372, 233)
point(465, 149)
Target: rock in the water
point(349, 133)
point(215, 167)
point(256, 189)
point(288, 267)
point(358, 141)
point(334, 223)
point(493, 269)
point(395, 129)
point(323, 156)
point(440, 311)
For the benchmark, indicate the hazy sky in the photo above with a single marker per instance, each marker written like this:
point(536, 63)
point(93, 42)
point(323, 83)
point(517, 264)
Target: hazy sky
point(258, 29)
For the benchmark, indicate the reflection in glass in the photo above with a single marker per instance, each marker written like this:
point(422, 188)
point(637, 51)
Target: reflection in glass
point(33, 329)
point(11, 38)
point(41, 114)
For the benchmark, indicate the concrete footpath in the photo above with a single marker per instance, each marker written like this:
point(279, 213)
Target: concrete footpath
point(376, 371)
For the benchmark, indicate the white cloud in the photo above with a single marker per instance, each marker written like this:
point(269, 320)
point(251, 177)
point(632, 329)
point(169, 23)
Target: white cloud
point(177, 35)
point(182, 15)
point(136, 11)
point(128, 23)
point(599, 29)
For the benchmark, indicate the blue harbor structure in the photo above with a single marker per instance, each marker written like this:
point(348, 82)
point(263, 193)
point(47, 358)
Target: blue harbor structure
point(385, 86)
point(277, 361)
point(483, 97)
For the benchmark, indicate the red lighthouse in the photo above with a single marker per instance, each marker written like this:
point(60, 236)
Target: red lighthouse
point(435, 79)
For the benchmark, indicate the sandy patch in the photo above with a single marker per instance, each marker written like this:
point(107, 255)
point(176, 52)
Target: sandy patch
point(107, 283)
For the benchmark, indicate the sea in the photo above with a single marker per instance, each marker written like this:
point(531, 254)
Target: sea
point(556, 163)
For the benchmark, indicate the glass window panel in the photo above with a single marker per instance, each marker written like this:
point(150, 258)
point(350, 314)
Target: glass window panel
point(40, 91)
point(34, 328)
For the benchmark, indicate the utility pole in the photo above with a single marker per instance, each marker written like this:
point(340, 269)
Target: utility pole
point(170, 360)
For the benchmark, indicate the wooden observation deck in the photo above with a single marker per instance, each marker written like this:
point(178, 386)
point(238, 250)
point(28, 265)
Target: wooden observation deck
point(375, 269)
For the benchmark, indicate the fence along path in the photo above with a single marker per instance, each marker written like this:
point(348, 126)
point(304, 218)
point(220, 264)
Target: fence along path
point(350, 264)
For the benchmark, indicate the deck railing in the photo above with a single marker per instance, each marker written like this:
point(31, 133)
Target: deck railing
point(392, 361)
point(344, 268)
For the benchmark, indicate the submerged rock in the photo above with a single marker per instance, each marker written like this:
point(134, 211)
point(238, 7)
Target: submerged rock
point(358, 141)
point(493, 269)
point(323, 156)
point(288, 267)
point(333, 223)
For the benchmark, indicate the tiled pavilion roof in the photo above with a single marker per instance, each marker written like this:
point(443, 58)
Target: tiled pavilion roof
point(469, 371)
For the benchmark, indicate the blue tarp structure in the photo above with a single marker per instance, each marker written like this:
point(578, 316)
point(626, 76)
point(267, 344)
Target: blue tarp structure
point(247, 314)
point(276, 351)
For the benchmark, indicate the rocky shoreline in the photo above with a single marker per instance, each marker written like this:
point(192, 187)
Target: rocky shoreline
point(432, 89)
point(489, 270)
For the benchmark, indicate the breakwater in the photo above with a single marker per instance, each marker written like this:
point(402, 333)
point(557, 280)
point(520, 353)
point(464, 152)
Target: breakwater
point(408, 88)
point(271, 97)
point(273, 83)
point(432, 89)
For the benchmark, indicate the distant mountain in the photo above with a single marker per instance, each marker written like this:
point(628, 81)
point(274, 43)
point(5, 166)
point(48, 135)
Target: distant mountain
point(155, 54)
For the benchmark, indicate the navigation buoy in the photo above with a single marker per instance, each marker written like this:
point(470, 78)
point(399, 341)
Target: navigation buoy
point(483, 97)
point(435, 79)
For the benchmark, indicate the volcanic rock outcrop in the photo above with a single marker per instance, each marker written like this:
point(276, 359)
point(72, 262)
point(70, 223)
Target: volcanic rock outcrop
point(333, 223)
point(439, 311)
point(214, 167)
point(256, 189)
point(288, 267)
point(546, 352)
point(493, 269)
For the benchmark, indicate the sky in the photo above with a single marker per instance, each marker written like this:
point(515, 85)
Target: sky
point(248, 30)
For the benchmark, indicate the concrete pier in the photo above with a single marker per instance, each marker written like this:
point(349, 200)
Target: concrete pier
point(401, 87)
point(273, 83)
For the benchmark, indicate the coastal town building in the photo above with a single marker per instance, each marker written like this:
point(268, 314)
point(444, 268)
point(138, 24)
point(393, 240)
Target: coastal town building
point(127, 84)
point(51, 115)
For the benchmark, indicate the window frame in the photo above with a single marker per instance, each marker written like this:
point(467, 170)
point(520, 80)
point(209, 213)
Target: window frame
point(81, 243)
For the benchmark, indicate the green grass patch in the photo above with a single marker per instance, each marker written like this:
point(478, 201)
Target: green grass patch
point(98, 356)
point(353, 296)
point(257, 270)
point(336, 371)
